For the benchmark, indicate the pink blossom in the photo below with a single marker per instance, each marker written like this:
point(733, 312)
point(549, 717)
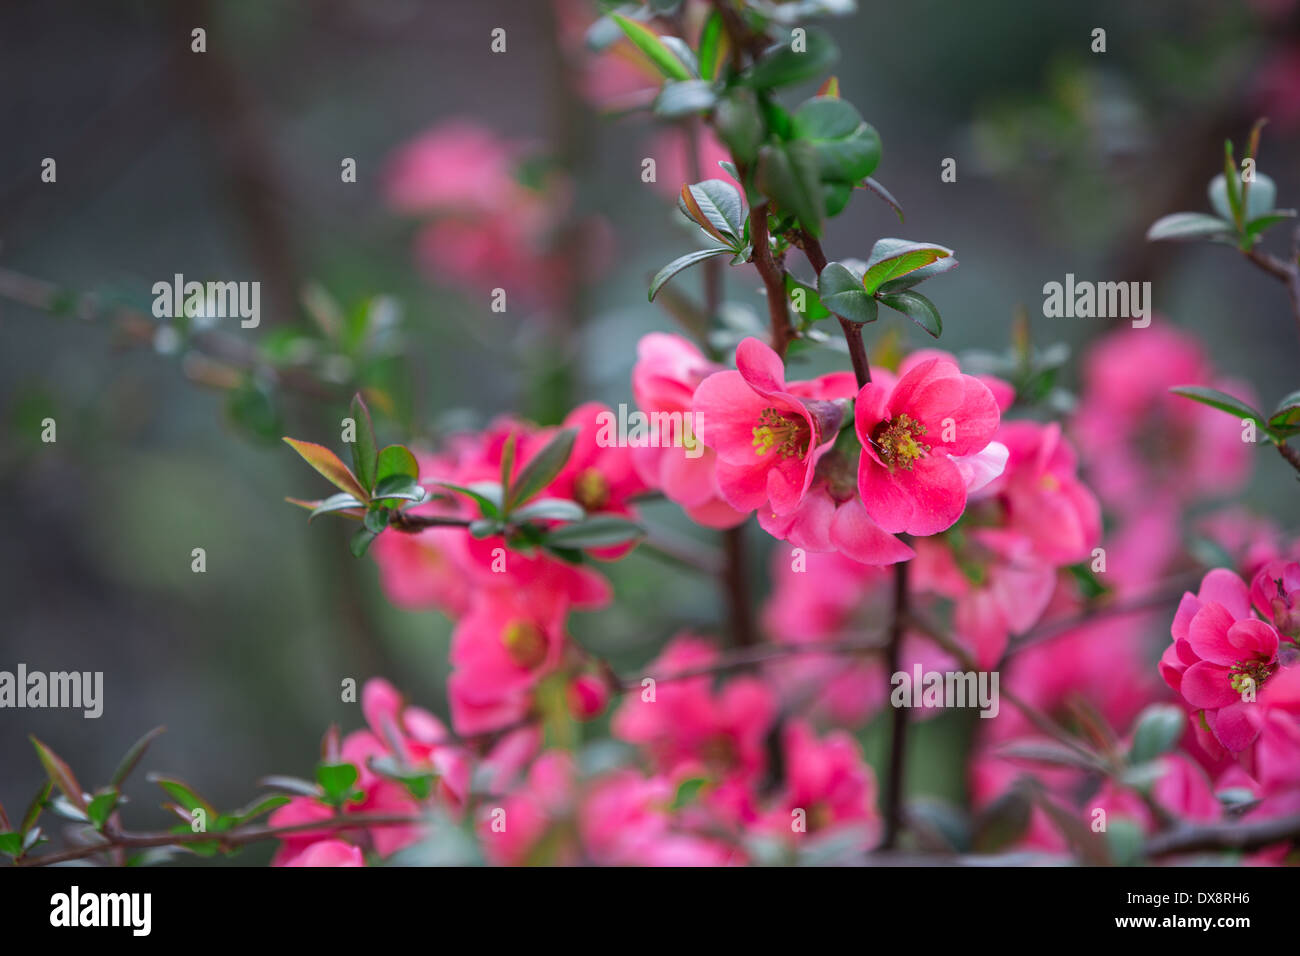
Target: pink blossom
point(688, 722)
point(667, 372)
point(1275, 592)
point(328, 853)
point(829, 781)
point(767, 438)
point(1219, 652)
point(911, 435)
point(500, 650)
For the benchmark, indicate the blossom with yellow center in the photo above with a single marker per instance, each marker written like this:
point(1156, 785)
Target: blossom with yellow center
point(525, 643)
point(591, 489)
point(896, 441)
point(790, 436)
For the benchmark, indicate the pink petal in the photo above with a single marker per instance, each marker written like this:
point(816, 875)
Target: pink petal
point(1208, 686)
point(856, 536)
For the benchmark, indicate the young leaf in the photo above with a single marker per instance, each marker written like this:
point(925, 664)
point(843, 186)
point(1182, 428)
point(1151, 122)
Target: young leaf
point(183, 794)
point(364, 450)
point(397, 460)
point(874, 186)
point(1187, 226)
point(132, 757)
point(1220, 400)
point(684, 262)
point(1286, 417)
point(399, 486)
point(917, 276)
point(714, 46)
point(486, 494)
point(60, 774)
point(337, 780)
point(840, 290)
point(360, 542)
point(329, 465)
point(257, 808)
point(715, 206)
point(541, 469)
point(35, 807)
point(891, 258)
point(101, 806)
point(645, 40)
point(917, 308)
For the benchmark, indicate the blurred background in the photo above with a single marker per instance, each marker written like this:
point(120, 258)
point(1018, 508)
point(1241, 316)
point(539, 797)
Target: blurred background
point(226, 165)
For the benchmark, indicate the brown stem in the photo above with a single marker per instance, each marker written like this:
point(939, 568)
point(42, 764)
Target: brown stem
point(231, 838)
point(773, 279)
point(1224, 836)
point(893, 800)
point(852, 330)
point(1290, 454)
point(735, 583)
point(1285, 272)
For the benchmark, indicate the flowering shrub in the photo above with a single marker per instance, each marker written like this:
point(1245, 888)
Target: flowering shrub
point(943, 535)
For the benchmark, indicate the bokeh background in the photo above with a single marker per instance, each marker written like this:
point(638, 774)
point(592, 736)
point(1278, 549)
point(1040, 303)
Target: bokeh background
point(226, 165)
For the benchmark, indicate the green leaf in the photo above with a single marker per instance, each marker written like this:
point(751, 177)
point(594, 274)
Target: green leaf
point(339, 502)
point(260, 806)
point(682, 50)
point(183, 794)
point(1157, 731)
point(788, 173)
point(917, 308)
point(684, 262)
point(331, 466)
point(486, 494)
point(399, 486)
point(11, 844)
point(713, 46)
point(132, 757)
point(739, 124)
point(550, 509)
point(1286, 417)
point(875, 187)
point(541, 469)
point(688, 791)
point(813, 309)
point(61, 774)
point(848, 149)
point(781, 65)
point(1257, 226)
point(376, 520)
point(1124, 840)
point(1188, 226)
point(1259, 197)
point(396, 460)
point(1220, 400)
point(891, 258)
point(645, 40)
point(360, 542)
point(364, 452)
point(917, 276)
point(715, 203)
point(337, 780)
point(101, 806)
point(840, 289)
point(685, 98)
point(600, 531)
point(291, 784)
point(35, 807)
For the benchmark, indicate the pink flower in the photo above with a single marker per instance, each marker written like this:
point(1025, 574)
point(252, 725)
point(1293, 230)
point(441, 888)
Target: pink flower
point(912, 436)
point(687, 722)
point(1275, 592)
point(667, 372)
point(831, 516)
point(768, 440)
point(455, 166)
point(1137, 436)
point(500, 650)
point(1041, 495)
point(328, 853)
point(830, 782)
point(624, 821)
point(1219, 653)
